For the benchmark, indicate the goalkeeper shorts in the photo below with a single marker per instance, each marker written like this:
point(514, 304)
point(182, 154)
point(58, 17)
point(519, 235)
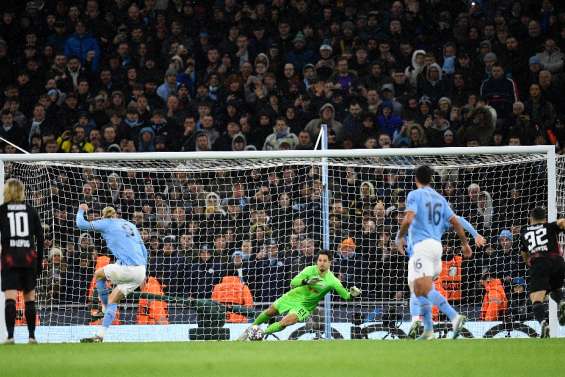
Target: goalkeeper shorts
point(426, 260)
point(284, 305)
point(125, 278)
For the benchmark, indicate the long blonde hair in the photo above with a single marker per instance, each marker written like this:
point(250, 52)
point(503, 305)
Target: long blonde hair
point(14, 191)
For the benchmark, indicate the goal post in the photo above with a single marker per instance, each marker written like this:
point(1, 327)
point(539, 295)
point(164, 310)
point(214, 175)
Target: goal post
point(217, 223)
point(552, 215)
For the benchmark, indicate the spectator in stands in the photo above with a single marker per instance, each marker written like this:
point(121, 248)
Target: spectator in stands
point(512, 264)
point(388, 122)
point(152, 311)
point(499, 91)
point(54, 274)
point(353, 123)
point(518, 308)
point(495, 302)
point(479, 126)
point(205, 272)
point(169, 85)
point(327, 116)
point(417, 67)
point(11, 131)
point(84, 46)
point(280, 135)
point(347, 261)
point(431, 83)
point(551, 58)
point(540, 111)
point(485, 207)
point(232, 291)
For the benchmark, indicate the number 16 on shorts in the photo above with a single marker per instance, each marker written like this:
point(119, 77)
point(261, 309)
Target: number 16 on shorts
point(417, 264)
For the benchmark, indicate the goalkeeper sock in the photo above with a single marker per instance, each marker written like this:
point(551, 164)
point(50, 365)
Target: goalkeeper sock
point(10, 317)
point(426, 311)
point(262, 318)
point(30, 313)
point(415, 311)
point(539, 311)
point(275, 327)
point(438, 300)
point(102, 291)
point(109, 315)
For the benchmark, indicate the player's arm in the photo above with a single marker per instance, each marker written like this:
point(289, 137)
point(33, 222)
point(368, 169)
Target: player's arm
point(408, 218)
point(39, 239)
point(479, 240)
point(462, 236)
point(411, 210)
point(401, 236)
point(83, 224)
point(345, 294)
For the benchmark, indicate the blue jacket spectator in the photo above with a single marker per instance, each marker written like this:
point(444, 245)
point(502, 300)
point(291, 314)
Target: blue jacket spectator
point(387, 121)
point(59, 38)
point(85, 46)
point(146, 140)
point(169, 86)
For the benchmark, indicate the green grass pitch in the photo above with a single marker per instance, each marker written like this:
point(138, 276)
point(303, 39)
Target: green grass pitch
point(495, 357)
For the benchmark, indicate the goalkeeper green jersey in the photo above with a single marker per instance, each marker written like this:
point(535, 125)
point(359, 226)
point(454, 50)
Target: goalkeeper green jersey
point(310, 295)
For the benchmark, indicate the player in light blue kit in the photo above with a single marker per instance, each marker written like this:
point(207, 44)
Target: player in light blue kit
point(127, 273)
point(415, 306)
point(427, 217)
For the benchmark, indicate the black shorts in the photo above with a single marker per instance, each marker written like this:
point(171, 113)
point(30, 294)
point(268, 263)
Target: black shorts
point(21, 279)
point(546, 274)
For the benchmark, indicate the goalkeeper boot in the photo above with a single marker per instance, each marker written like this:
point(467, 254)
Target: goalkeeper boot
point(458, 324)
point(9, 341)
point(415, 329)
point(94, 339)
point(245, 334)
point(426, 335)
point(561, 313)
point(544, 333)
point(32, 341)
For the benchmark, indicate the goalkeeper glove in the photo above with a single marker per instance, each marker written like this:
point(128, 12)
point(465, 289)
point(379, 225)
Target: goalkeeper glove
point(354, 292)
point(312, 281)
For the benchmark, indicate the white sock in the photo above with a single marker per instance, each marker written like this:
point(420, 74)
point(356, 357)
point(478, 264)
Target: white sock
point(101, 331)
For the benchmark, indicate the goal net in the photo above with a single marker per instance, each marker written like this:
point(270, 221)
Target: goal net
point(225, 236)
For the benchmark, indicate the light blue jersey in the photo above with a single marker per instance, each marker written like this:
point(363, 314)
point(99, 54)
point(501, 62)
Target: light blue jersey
point(466, 225)
point(432, 215)
point(122, 238)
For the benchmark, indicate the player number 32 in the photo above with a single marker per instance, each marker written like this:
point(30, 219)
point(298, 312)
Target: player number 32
point(536, 238)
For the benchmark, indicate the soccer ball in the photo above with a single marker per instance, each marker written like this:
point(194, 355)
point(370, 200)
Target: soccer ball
point(255, 333)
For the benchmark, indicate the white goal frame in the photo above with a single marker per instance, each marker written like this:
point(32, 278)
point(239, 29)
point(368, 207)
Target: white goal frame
point(322, 155)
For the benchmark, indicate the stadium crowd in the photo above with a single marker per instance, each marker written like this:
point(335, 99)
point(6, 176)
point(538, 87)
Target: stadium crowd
point(158, 75)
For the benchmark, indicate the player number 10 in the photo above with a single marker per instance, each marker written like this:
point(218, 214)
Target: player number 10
point(19, 226)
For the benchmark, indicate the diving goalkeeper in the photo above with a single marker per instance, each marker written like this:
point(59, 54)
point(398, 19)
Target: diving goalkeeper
point(308, 288)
